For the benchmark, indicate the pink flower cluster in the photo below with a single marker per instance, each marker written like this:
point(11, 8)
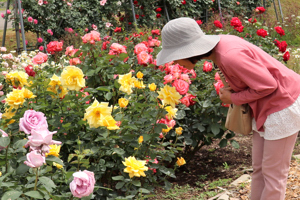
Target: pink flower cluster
point(91, 37)
point(116, 49)
point(143, 50)
point(154, 161)
point(30, 19)
point(35, 125)
point(40, 58)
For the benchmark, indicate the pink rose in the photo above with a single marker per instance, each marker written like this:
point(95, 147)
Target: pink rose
point(217, 76)
point(181, 86)
point(185, 100)
point(34, 159)
point(38, 59)
point(82, 184)
point(218, 85)
point(41, 48)
point(117, 48)
point(30, 19)
point(144, 58)
point(74, 61)
point(3, 134)
point(207, 66)
point(2, 15)
point(41, 138)
point(140, 47)
point(40, 40)
point(8, 12)
point(31, 120)
point(35, 21)
point(102, 2)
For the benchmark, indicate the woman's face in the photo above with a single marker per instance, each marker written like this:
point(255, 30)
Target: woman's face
point(185, 63)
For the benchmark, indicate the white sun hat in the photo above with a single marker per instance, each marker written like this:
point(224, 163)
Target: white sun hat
point(183, 38)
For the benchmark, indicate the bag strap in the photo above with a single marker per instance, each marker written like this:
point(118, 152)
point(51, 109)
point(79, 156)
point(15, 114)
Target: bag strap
point(221, 75)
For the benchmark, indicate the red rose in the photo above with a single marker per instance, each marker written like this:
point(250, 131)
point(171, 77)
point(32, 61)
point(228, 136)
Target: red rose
point(260, 10)
point(158, 15)
point(262, 32)
point(181, 86)
point(29, 70)
point(118, 29)
point(191, 97)
point(135, 2)
point(282, 46)
point(137, 16)
point(218, 24)
point(207, 66)
point(195, 0)
point(239, 29)
point(155, 32)
point(199, 22)
point(286, 56)
point(236, 22)
point(54, 46)
point(279, 30)
point(252, 20)
point(183, 2)
point(277, 43)
point(158, 9)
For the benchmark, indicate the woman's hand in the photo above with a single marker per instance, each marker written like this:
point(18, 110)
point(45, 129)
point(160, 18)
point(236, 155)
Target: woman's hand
point(225, 95)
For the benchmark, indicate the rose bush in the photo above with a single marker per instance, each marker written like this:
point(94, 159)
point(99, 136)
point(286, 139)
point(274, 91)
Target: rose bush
point(114, 126)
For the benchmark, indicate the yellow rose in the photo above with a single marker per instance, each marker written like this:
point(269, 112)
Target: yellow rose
point(141, 139)
point(57, 165)
point(166, 130)
point(72, 78)
point(180, 161)
point(139, 84)
point(152, 86)
point(9, 114)
point(123, 102)
point(28, 94)
point(96, 112)
point(171, 112)
point(139, 75)
point(56, 87)
point(169, 96)
point(178, 130)
point(54, 150)
point(15, 98)
point(127, 83)
point(17, 78)
point(109, 122)
point(135, 167)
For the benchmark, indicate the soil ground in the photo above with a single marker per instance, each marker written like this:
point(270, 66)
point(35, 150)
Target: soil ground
point(213, 163)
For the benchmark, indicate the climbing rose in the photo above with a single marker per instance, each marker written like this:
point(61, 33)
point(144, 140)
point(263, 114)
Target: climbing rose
point(260, 10)
point(235, 22)
point(286, 56)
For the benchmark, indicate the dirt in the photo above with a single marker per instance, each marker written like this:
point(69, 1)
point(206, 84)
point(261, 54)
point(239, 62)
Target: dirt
point(213, 163)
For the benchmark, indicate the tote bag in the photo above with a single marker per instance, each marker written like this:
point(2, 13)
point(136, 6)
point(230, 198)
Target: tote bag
point(238, 118)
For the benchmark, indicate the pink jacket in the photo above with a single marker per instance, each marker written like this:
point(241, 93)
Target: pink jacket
point(256, 77)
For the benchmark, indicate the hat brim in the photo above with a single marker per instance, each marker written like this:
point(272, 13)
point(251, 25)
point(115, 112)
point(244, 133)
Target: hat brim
point(198, 47)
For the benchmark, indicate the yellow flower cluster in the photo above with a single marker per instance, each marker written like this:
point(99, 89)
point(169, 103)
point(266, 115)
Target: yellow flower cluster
point(127, 83)
point(152, 86)
point(99, 114)
point(17, 78)
point(135, 167)
point(56, 87)
point(169, 96)
point(54, 151)
point(123, 102)
point(171, 112)
point(72, 78)
point(17, 97)
point(178, 130)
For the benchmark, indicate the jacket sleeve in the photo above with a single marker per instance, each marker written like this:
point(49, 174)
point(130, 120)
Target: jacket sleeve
point(241, 64)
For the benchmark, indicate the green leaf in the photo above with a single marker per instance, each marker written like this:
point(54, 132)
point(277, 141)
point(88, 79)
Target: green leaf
point(180, 114)
point(34, 194)
point(199, 127)
point(223, 143)
point(4, 141)
point(47, 183)
point(188, 141)
point(119, 151)
point(118, 178)
point(103, 88)
point(54, 159)
point(22, 169)
point(137, 183)
point(215, 129)
point(119, 185)
point(90, 72)
point(168, 185)
point(13, 194)
point(235, 144)
point(19, 144)
point(108, 95)
point(146, 137)
point(143, 190)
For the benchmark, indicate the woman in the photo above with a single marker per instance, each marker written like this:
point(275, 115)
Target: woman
point(270, 88)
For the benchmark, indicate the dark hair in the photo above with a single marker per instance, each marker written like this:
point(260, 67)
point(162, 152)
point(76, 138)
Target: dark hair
point(195, 59)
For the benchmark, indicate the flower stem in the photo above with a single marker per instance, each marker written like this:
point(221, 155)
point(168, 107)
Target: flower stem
point(36, 178)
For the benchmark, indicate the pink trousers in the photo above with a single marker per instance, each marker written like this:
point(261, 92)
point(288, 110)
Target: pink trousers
point(271, 161)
